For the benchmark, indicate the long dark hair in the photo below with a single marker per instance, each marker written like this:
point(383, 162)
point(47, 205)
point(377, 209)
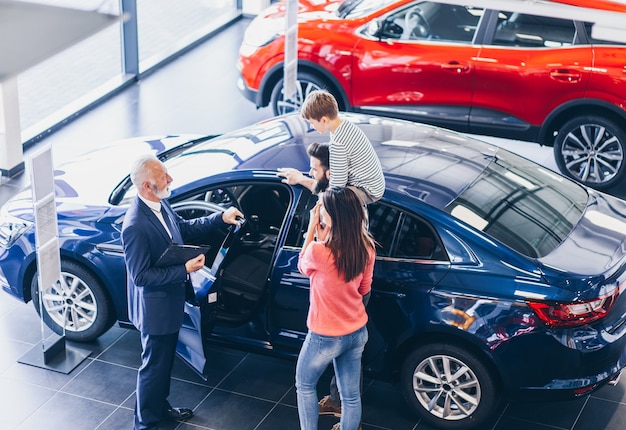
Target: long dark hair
point(348, 238)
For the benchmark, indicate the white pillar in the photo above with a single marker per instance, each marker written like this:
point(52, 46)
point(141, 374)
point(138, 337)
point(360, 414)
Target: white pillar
point(11, 151)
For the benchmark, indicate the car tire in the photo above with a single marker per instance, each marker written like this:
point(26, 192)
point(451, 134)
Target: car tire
point(80, 300)
point(306, 84)
point(590, 150)
point(428, 387)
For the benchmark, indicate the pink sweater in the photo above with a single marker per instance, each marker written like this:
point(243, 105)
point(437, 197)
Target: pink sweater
point(336, 307)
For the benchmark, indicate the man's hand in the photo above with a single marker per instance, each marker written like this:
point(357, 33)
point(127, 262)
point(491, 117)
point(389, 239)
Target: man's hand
point(194, 264)
point(295, 177)
point(292, 176)
point(232, 215)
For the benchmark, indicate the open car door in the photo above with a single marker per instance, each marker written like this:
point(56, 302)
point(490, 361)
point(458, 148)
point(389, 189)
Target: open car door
point(200, 316)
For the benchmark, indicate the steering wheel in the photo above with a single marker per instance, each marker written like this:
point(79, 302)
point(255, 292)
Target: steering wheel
point(416, 24)
point(222, 197)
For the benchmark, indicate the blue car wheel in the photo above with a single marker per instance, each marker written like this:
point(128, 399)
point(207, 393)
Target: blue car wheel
point(449, 387)
point(79, 304)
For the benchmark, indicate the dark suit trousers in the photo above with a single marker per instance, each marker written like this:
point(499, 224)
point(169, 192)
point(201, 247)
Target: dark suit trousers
point(153, 379)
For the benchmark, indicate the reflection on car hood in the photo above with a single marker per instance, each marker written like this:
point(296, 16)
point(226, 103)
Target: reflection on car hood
point(87, 180)
point(597, 245)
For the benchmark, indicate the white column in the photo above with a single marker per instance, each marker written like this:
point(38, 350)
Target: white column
point(11, 151)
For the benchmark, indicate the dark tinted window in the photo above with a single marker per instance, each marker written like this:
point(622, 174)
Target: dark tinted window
point(300, 220)
point(524, 206)
point(383, 220)
point(417, 240)
point(529, 31)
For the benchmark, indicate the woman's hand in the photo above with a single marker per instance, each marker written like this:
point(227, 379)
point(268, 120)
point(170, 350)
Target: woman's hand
point(314, 221)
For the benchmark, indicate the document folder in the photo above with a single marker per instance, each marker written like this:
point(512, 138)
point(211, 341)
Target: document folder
point(178, 254)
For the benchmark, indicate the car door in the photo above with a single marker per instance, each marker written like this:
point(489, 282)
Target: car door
point(527, 67)
point(200, 316)
point(419, 63)
point(410, 262)
point(232, 287)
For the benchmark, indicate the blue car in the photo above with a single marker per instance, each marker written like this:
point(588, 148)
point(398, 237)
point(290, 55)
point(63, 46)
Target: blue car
point(495, 277)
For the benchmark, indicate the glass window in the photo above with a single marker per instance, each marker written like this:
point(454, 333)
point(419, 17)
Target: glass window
point(589, 29)
point(433, 21)
point(383, 220)
point(417, 240)
point(72, 80)
point(164, 26)
point(64, 83)
point(524, 206)
point(530, 31)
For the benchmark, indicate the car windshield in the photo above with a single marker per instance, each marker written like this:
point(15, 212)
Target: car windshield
point(521, 204)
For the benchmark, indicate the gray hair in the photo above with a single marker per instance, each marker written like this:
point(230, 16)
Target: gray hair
point(139, 172)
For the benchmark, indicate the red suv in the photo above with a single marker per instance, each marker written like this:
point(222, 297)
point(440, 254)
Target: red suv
point(470, 69)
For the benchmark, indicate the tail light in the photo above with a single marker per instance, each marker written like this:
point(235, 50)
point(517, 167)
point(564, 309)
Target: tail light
point(575, 314)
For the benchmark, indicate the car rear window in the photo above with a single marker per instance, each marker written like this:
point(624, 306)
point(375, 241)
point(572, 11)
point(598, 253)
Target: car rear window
point(521, 204)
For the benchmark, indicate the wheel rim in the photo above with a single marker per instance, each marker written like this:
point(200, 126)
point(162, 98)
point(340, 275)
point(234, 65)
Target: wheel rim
point(303, 88)
point(446, 387)
point(592, 154)
point(70, 304)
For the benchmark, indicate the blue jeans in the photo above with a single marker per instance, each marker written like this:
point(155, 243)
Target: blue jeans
point(316, 354)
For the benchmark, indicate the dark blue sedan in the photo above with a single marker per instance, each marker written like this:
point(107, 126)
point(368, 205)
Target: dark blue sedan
point(494, 276)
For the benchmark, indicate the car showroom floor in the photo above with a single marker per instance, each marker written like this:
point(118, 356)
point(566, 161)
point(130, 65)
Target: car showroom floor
point(197, 94)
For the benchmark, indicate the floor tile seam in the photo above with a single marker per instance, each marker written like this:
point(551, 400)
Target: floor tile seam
point(204, 384)
point(250, 396)
point(580, 412)
point(272, 410)
point(231, 370)
point(495, 426)
point(537, 423)
point(111, 414)
point(53, 390)
point(80, 396)
point(43, 386)
point(113, 363)
point(112, 344)
point(617, 402)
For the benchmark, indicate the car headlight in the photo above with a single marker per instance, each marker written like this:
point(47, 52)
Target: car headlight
point(11, 228)
point(260, 32)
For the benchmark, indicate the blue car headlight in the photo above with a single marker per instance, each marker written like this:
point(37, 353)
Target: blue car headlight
point(11, 228)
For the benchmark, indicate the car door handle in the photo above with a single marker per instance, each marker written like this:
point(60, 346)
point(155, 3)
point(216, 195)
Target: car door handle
point(564, 75)
point(456, 67)
point(389, 294)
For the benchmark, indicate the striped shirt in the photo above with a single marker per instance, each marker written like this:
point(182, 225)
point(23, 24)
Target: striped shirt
point(354, 162)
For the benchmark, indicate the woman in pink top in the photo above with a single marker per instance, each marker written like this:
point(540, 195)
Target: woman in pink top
point(341, 265)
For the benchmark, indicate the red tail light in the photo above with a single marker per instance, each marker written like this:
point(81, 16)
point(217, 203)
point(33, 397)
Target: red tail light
point(575, 313)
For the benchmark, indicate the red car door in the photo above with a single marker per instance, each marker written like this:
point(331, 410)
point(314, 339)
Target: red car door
point(421, 62)
point(530, 67)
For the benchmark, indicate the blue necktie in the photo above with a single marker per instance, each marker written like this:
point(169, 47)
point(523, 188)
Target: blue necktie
point(172, 227)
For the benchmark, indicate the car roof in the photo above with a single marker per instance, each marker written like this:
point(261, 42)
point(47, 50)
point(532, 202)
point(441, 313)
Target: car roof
point(424, 162)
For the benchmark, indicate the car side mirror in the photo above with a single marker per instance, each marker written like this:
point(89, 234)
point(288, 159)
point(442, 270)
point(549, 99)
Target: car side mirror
point(385, 30)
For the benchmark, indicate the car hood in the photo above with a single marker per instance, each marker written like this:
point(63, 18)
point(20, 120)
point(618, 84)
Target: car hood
point(87, 181)
point(597, 245)
point(304, 6)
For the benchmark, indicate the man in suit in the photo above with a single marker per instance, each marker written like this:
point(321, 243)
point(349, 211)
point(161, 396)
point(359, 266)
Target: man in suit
point(156, 295)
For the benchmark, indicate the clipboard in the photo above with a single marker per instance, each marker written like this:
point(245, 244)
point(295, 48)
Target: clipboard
point(176, 254)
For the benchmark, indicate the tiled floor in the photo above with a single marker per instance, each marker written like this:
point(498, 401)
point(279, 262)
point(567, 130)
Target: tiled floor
point(197, 94)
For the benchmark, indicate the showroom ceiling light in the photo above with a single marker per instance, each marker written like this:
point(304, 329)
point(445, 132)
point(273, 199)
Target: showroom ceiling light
point(31, 33)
